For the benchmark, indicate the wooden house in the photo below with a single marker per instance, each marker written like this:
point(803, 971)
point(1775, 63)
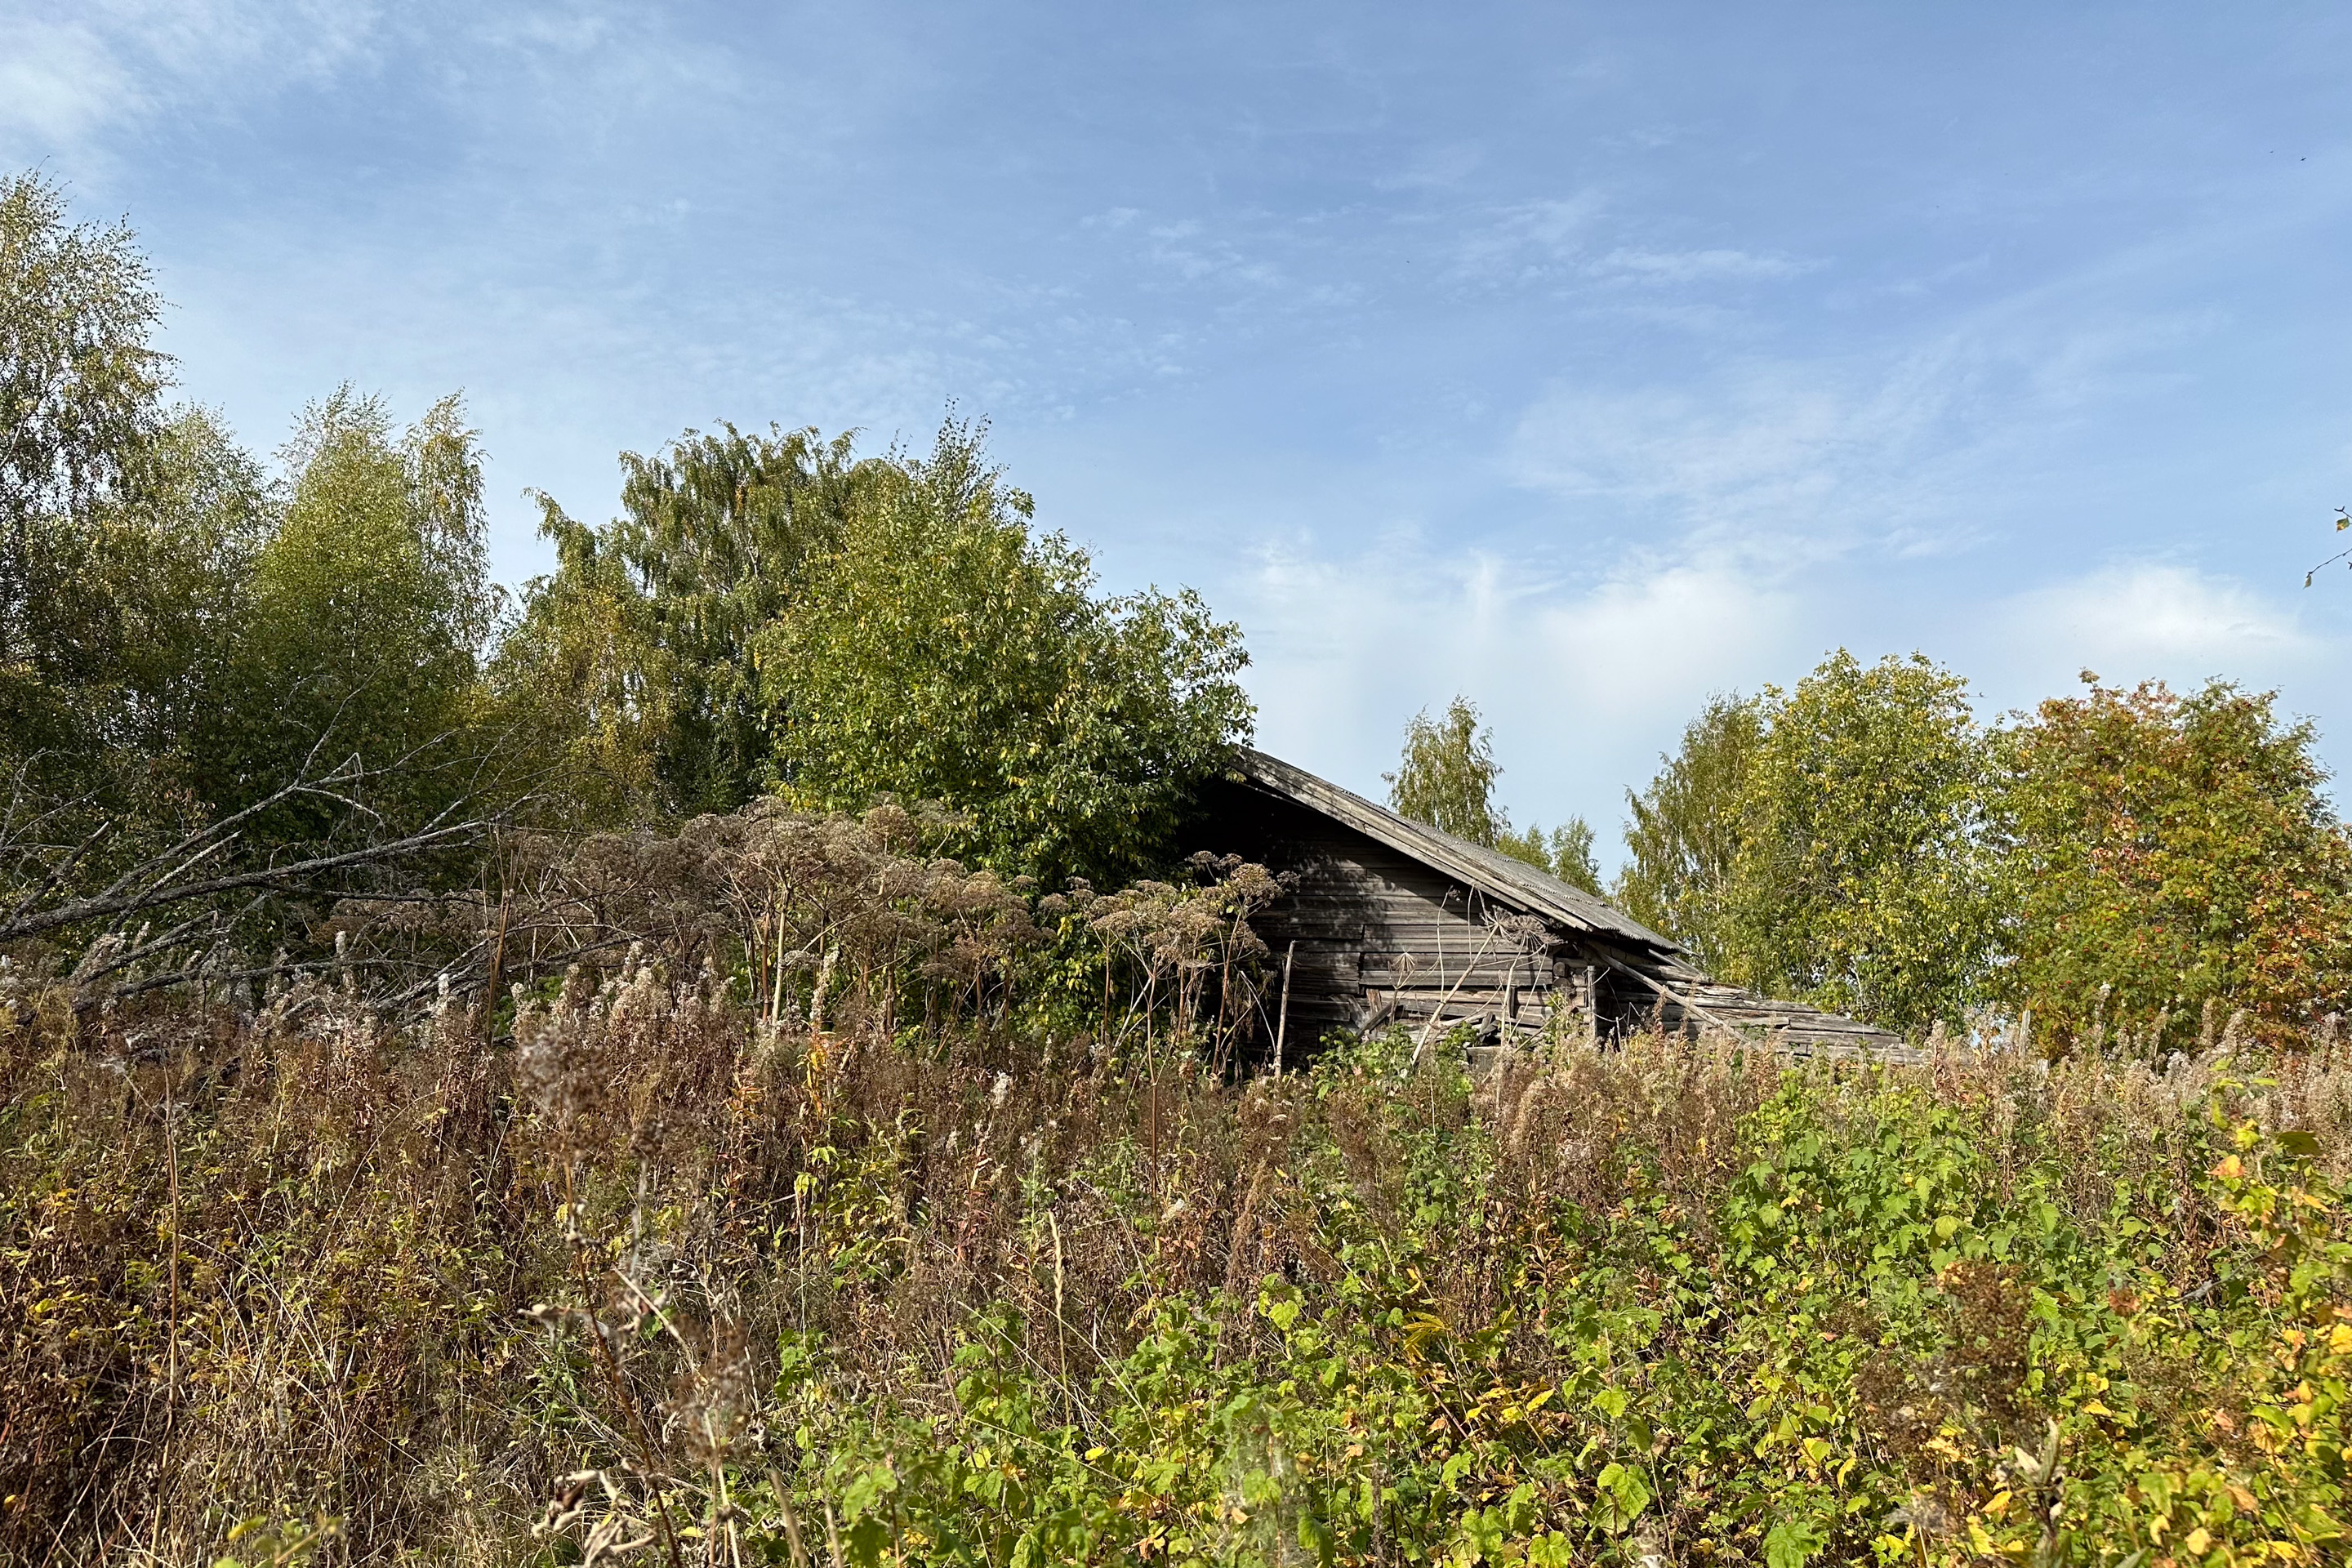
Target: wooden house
point(1387, 920)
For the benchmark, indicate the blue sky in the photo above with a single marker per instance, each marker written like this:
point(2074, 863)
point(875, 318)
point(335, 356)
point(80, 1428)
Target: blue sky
point(1582, 358)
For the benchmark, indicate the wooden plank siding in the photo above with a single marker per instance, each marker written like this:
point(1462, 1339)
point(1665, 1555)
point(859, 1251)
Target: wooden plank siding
point(1374, 934)
point(1385, 921)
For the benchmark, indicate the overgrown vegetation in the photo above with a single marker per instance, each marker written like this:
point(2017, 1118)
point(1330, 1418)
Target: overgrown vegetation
point(866, 1210)
point(316, 655)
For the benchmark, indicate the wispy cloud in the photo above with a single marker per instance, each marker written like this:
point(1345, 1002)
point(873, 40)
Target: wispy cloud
point(1697, 266)
point(1907, 451)
point(71, 75)
point(1526, 240)
point(1191, 251)
point(1569, 240)
point(2134, 619)
point(1798, 460)
point(1443, 166)
point(59, 82)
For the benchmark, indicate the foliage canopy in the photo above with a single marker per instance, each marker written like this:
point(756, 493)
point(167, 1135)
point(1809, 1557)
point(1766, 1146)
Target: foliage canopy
point(2166, 854)
point(637, 648)
point(1861, 877)
point(1684, 838)
point(1445, 777)
point(945, 652)
point(2119, 862)
point(184, 634)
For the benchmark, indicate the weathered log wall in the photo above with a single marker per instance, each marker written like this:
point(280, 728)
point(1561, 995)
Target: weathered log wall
point(1373, 935)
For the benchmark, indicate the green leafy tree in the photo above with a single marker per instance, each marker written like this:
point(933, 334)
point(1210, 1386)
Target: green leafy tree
point(169, 572)
point(369, 604)
point(944, 651)
point(180, 639)
point(633, 658)
point(2165, 853)
point(81, 393)
point(127, 526)
point(1684, 840)
point(1862, 879)
point(581, 685)
point(1565, 852)
point(1446, 775)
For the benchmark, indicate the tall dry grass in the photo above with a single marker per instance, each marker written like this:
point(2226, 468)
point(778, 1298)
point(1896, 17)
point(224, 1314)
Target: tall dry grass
point(443, 1296)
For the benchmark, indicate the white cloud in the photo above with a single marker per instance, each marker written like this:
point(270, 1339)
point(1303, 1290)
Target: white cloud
point(59, 82)
point(1777, 465)
point(1696, 266)
point(1585, 682)
point(2134, 620)
point(1186, 249)
point(1528, 239)
point(1442, 166)
point(1647, 648)
point(1560, 239)
point(1798, 460)
point(1651, 444)
point(72, 76)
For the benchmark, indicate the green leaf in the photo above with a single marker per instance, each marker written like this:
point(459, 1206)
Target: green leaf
point(1623, 1495)
point(1792, 1542)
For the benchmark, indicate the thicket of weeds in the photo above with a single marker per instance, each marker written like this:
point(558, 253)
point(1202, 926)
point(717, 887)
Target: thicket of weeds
point(898, 1244)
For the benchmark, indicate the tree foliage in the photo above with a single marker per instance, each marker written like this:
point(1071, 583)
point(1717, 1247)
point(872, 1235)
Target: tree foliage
point(773, 613)
point(122, 523)
point(182, 641)
point(637, 650)
point(1684, 838)
point(79, 396)
point(369, 602)
point(1862, 879)
point(943, 651)
point(182, 636)
point(2167, 853)
point(2119, 863)
point(1565, 852)
point(1446, 775)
